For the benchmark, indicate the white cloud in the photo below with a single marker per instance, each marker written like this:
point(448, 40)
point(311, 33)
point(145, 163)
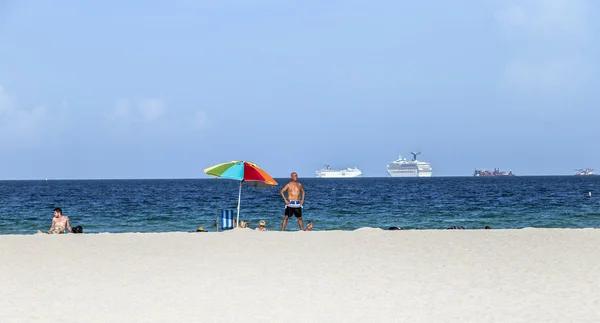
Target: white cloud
point(19, 125)
point(126, 114)
point(147, 110)
point(547, 18)
point(563, 73)
point(199, 120)
point(548, 41)
point(152, 109)
point(6, 103)
point(122, 111)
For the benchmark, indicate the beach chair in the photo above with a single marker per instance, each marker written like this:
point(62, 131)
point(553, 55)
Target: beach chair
point(225, 219)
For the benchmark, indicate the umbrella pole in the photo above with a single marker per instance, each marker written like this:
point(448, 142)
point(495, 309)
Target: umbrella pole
point(237, 223)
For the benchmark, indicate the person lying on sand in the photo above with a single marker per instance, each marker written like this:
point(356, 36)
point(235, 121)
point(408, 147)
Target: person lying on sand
point(60, 222)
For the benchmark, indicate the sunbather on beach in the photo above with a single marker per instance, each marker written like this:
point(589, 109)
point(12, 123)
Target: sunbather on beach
point(309, 226)
point(293, 203)
point(262, 226)
point(60, 223)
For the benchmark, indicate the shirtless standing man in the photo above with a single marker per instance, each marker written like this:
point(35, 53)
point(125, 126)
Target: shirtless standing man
point(60, 223)
point(293, 204)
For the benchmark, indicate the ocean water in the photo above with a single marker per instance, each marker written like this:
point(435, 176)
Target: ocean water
point(332, 204)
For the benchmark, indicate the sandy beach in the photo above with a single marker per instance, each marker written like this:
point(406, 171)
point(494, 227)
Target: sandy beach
point(367, 275)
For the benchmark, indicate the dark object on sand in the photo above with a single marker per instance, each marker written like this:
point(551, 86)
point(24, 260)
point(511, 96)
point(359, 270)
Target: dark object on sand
point(395, 228)
point(487, 227)
point(456, 228)
point(78, 229)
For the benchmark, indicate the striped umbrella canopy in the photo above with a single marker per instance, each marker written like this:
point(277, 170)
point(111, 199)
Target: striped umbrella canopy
point(245, 172)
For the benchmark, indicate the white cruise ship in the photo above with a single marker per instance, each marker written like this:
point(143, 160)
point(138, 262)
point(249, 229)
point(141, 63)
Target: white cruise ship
point(327, 172)
point(413, 168)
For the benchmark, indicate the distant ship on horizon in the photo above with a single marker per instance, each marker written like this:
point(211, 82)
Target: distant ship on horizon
point(328, 172)
point(585, 172)
point(496, 172)
point(413, 168)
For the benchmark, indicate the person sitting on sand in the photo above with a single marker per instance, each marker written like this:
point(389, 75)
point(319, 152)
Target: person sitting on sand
point(244, 224)
point(262, 226)
point(309, 226)
point(60, 222)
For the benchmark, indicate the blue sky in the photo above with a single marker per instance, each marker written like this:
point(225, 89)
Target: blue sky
point(164, 89)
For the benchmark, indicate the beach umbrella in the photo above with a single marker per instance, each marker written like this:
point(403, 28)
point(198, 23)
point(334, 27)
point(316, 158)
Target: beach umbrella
point(245, 172)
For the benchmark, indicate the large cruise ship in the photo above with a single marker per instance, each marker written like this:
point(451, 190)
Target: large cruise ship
point(327, 172)
point(413, 168)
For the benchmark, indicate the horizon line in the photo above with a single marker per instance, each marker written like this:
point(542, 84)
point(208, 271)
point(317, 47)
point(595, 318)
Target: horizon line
point(313, 177)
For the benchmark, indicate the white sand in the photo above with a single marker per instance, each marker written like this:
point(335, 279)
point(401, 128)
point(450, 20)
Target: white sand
point(368, 275)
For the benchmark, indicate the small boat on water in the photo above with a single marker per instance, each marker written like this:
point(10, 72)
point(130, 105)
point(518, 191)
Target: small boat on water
point(585, 172)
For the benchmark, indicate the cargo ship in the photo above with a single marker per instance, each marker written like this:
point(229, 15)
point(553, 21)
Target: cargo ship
point(496, 172)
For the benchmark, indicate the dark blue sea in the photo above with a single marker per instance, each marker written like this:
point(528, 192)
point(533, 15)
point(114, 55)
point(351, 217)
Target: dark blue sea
point(332, 204)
